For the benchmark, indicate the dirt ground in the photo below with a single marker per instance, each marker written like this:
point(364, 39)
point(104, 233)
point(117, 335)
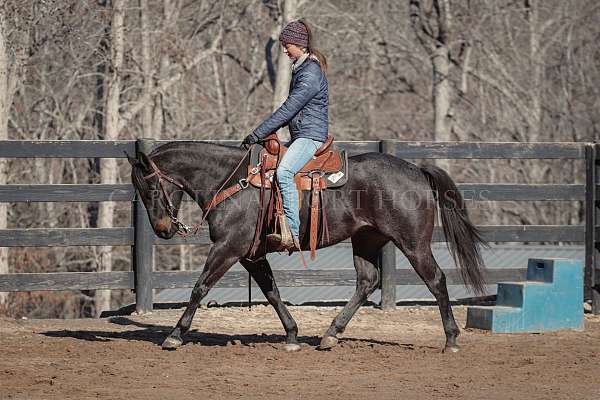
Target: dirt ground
point(237, 353)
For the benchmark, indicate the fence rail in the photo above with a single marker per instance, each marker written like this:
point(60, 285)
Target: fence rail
point(55, 281)
point(143, 279)
point(62, 237)
point(126, 192)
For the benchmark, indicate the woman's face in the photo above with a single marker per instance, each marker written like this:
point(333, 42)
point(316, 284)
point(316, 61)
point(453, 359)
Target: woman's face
point(292, 51)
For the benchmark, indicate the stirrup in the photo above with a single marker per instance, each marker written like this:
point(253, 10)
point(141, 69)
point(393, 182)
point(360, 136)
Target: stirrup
point(275, 242)
point(284, 240)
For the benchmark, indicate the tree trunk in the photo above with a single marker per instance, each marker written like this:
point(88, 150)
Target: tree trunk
point(284, 70)
point(108, 166)
point(441, 100)
point(146, 67)
point(4, 110)
point(536, 66)
point(371, 83)
point(432, 24)
point(220, 74)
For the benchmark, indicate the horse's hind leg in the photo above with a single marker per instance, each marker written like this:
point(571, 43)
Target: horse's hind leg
point(219, 260)
point(427, 268)
point(263, 275)
point(365, 249)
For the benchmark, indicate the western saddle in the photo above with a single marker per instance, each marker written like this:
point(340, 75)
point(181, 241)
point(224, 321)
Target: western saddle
point(327, 169)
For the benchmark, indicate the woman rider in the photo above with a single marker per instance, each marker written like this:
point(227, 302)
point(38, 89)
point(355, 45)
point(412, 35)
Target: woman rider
point(305, 111)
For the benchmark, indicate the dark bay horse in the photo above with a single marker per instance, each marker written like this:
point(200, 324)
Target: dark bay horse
point(384, 199)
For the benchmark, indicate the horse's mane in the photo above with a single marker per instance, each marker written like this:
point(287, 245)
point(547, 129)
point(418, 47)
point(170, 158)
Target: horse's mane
point(195, 150)
point(186, 144)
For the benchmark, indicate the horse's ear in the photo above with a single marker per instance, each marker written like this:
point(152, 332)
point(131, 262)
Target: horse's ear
point(133, 161)
point(144, 160)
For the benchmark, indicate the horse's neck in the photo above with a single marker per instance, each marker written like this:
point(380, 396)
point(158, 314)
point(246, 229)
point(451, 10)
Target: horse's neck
point(202, 167)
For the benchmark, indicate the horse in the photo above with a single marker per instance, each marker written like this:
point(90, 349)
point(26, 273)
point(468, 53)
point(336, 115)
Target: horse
point(385, 199)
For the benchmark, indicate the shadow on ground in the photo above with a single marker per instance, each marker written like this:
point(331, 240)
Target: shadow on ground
point(157, 333)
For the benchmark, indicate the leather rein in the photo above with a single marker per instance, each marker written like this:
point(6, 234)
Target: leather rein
point(183, 229)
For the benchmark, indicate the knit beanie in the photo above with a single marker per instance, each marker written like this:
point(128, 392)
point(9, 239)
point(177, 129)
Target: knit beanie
point(294, 33)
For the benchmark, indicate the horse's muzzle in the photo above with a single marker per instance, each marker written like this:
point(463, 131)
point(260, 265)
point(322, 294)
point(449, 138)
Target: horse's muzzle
point(163, 227)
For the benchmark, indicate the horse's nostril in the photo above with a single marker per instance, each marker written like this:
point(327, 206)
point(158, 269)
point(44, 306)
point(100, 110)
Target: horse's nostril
point(163, 225)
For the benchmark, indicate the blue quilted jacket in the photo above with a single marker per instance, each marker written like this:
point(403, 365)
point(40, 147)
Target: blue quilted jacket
point(305, 110)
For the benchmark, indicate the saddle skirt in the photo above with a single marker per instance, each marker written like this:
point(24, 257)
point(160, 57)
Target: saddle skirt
point(329, 163)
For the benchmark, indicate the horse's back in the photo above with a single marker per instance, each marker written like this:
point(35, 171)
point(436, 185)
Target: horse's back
point(384, 170)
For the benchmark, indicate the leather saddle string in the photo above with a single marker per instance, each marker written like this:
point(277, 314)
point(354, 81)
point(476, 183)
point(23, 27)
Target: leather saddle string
point(275, 201)
point(314, 214)
point(261, 211)
point(324, 223)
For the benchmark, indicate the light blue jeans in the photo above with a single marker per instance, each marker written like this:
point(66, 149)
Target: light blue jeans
point(299, 152)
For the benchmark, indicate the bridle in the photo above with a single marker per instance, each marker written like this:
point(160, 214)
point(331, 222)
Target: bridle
point(183, 229)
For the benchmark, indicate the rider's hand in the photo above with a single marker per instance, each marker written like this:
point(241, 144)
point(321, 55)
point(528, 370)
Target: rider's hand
point(249, 141)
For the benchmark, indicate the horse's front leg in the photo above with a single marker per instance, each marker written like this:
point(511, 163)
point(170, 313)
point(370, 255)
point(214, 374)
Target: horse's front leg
point(220, 258)
point(263, 275)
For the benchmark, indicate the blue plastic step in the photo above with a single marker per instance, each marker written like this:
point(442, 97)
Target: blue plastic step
point(513, 294)
point(551, 299)
point(510, 294)
point(489, 318)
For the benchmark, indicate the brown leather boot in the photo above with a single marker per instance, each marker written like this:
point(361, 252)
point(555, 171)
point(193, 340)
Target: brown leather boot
point(284, 240)
point(277, 244)
point(291, 246)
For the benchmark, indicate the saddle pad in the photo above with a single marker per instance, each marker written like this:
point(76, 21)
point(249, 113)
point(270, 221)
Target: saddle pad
point(339, 178)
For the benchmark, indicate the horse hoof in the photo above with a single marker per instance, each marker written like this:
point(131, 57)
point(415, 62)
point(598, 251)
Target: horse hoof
point(451, 349)
point(291, 347)
point(171, 343)
point(328, 342)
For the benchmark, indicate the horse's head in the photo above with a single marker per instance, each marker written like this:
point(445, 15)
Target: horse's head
point(160, 193)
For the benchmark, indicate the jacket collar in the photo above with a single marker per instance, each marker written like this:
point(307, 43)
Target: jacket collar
point(302, 61)
point(299, 62)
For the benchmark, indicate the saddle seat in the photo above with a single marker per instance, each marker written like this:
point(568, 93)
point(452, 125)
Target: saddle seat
point(329, 163)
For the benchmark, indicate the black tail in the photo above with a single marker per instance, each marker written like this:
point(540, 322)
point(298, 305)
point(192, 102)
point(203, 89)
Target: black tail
point(462, 236)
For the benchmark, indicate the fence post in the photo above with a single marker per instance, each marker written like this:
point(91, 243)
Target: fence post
point(388, 276)
point(596, 248)
point(143, 248)
point(388, 254)
point(592, 219)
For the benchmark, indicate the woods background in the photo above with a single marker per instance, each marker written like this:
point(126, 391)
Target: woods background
point(445, 70)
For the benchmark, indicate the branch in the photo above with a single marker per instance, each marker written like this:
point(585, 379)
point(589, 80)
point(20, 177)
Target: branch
point(422, 30)
point(444, 21)
point(519, 105)
point(164, 84)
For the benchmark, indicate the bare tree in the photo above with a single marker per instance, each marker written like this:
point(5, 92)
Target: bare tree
point(283, 73)
point(289, 9)
point(4, 111)
point(432, 22)
point(522, 64)
point(11, 62)
point(146, 64)
point(108, 166)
